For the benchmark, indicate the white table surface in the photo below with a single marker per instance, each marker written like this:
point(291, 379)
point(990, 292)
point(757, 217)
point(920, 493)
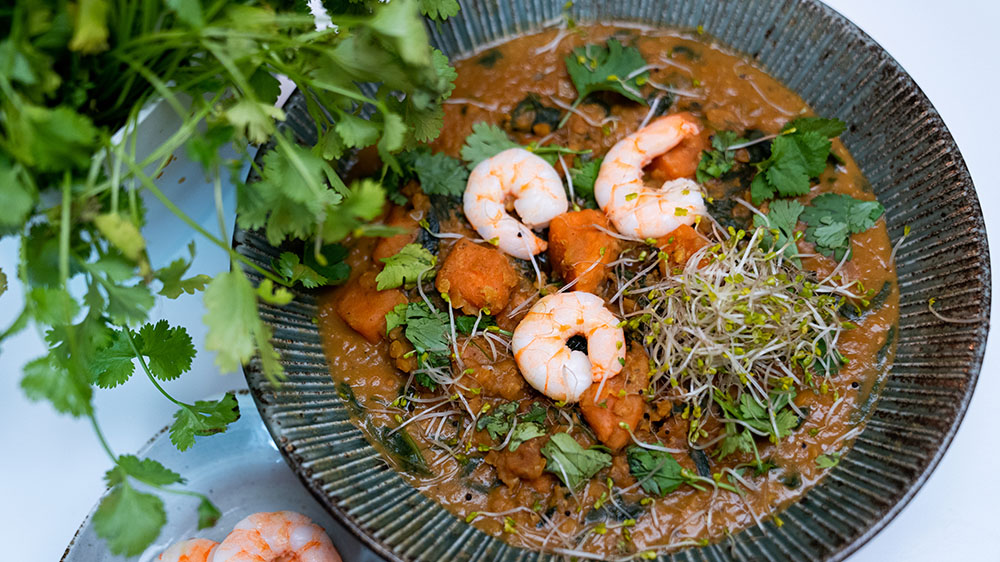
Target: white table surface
point(51, 466)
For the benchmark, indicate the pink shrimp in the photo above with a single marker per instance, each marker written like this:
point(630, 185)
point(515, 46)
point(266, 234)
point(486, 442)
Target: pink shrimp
point(538, 197)
point(191, 550)
point(281, 536)
point(539, 344)
point(637, 210)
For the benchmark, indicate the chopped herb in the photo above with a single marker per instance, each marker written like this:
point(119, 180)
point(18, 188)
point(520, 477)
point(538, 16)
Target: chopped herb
point(658, 471)
point(405, 267)
point(499, 422)
point(486, 141)
point(832, 217)
point(584, 175)
point(782, 216)
point(428, 332)
point(536, 414)
point(797, 155)
point(570, 462)
point(438, 173)
point(524, 432)
point(716, 162)
point(828, 460)
point(612, 68)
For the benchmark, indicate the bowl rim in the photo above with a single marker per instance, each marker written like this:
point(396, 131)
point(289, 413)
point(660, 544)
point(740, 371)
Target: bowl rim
point(973, 366)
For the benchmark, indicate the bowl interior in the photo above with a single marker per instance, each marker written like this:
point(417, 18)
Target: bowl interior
point(916, 171)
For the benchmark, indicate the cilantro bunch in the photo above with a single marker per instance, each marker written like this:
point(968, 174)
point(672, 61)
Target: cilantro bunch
point(73, 81)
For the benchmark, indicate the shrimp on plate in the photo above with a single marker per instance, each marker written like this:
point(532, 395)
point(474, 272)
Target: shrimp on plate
point(539, 345)
point(637, 210)
point(281, 536)
point(191, 550)
point(537, 193)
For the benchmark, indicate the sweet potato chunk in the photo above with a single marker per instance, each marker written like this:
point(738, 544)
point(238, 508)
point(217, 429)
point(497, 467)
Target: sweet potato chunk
point(682, 160)
point(679, 245)
point(575, 245)
point(620, 400)
point(476, 277)
point(363, 307)
point(390, 246)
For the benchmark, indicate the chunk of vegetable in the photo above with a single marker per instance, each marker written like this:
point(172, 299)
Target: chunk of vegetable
point(576, 244)
point(363, 307)
point(619, 401)
point(476, 277)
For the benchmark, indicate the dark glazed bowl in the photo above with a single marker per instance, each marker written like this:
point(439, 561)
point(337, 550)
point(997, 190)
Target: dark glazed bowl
point(914, 168)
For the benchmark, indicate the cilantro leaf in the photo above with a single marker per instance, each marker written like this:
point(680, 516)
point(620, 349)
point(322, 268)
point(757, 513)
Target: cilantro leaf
point(659, 471)
point(363, 202)
point(439, 174)
point(523, 432)
point(486, 141)
point(736, 440)
point(782, 216)
point(396, 317)
point(499, 421)
point(716, 162)
point(50, 139)
point(203, 418)
point(798, 154)
point(47, 378)
point(428, 332)
point(439, 9)
point(291, 268)
point(334, 268)
point(3, 282)
point(278, 296)
point(405, 267)
point(584, 175)
point(114, 365)
point(612, 68)
point(208, 514)
point(172, 277)
point(148, 471)
point(832, 217)
point(18, 194)
point(291, 198)
point(170, 350)
point(829, 128)
point(536, 414)
point(828, 461)
point(235, 329)
point(129, 520)
point(128, 304)
point(569, 461)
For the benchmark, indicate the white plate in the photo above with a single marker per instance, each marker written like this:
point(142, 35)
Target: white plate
point(242, 472)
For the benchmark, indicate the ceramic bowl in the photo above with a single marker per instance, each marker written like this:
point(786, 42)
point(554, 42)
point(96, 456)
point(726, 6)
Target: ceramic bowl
point(914, 168)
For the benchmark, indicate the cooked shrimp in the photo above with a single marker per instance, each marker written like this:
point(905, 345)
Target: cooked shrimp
point(539, 344)
point(191, 550)
point(538, 197)
point(283, 536)
point(637, 210)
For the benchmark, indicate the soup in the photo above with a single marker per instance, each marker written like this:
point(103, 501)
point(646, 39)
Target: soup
point(752, 339)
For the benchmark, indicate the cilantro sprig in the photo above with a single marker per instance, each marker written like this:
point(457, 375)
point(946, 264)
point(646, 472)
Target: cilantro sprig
point(405, 267)
point(798, 154)
point(832, 217)
point(73, 179)
point(488, 140)
point(609, 68)
point(718, 161)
